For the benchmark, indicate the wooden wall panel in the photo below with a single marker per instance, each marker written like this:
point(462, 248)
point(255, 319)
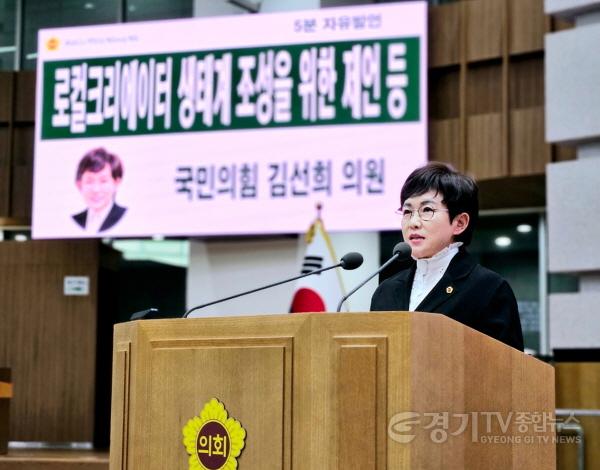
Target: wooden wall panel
point(121, 395)
point(484, 88)
point(6, 93)
point(444, 142)
point(53, 459)
point(22, 172)
point(357, 402)
point(578, 386)
point(446, 368)
point(526, 82)
point(526, 26)
point(500, 71)
point(484, 29)
point(49, 340)
point(252, 377)
point(17, 114)
point(25, 96)
point(563, 153)
point(536, 454)
point(444, 43)
point(484, 146)
point(560, 24)
point(5, 96)
point(444, 93)
point(487, 385)
point(529, 153)
point(24, 134)
point(22, 192)
point(4, 171)
point(5, 396)
point(361, 398)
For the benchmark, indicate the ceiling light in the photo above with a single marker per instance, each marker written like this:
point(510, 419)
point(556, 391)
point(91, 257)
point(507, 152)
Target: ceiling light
point(89, 6)
point(524, 228)
point(19, 237)
point(502, 241)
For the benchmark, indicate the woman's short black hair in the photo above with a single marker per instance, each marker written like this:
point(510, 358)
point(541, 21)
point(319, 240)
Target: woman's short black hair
point(459, 192)
point(95, 160)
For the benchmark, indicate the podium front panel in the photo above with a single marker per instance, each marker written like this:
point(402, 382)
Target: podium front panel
point(330, 391)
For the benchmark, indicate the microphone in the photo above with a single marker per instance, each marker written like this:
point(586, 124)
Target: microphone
point(349, 261)
point(143, 314)
point(401, 252)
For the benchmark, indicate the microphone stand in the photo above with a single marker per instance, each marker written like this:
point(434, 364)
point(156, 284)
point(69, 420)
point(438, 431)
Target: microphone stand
point(383, 266)
point(318, 271)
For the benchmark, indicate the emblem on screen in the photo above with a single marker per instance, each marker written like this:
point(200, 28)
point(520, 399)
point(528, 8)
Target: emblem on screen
point(212, 439)
point(52, 44)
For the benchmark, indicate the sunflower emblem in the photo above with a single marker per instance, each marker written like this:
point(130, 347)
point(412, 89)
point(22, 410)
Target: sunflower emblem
point(213, 439)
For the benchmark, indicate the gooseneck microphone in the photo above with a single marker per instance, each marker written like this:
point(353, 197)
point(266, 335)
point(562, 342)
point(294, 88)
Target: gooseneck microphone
point(401, 252)
point(349, 261)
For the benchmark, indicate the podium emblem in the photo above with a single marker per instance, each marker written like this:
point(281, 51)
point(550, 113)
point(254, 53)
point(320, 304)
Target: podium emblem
point(212, 439)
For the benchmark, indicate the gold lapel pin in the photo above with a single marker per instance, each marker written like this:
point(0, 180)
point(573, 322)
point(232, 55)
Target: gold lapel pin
point(449, 290)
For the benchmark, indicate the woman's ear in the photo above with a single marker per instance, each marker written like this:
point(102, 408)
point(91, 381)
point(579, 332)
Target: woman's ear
point(460, 223)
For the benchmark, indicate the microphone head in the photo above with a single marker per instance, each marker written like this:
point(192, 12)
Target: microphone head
point(402, 250)
point(351, 260)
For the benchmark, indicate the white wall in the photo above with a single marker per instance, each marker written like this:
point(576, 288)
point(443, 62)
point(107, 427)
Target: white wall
point(572, 76)
point(269, 6)
point(572, 195)
point(216, 8)
point(569, 8)
point(574, 320)
point(222, 7)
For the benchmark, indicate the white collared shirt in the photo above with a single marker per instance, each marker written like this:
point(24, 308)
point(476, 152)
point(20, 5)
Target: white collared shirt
point(94, 220)
point(429, 272)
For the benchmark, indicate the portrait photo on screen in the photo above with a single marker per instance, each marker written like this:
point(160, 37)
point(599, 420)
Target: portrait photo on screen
point(98, 177)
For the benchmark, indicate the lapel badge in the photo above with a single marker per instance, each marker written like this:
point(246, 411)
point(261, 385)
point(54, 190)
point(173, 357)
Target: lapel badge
point(449, 290)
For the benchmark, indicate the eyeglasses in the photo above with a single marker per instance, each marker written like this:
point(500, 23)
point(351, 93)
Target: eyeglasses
point(426, 213)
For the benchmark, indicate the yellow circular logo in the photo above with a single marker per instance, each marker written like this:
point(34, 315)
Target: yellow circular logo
point(52, 44)
point(213, 440)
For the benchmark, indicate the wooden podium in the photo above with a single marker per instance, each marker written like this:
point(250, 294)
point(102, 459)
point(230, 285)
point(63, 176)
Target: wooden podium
point(332, 391)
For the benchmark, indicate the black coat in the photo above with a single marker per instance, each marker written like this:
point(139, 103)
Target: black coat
point(115, 214)
point(467, 292)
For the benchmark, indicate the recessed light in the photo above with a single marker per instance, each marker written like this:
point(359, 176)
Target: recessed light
point(503, 241)
point(89, 6)
point(19, 237)
point(524, 228)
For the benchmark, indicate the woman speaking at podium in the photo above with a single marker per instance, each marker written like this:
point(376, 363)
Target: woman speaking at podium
point(439, 210)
